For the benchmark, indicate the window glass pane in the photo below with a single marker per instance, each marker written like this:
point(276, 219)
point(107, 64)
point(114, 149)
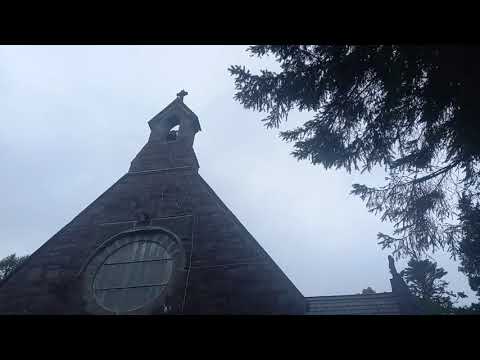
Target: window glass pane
point(133, 276)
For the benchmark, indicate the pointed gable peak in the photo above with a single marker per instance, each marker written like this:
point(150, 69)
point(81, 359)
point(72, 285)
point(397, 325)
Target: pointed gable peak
point(176, 113)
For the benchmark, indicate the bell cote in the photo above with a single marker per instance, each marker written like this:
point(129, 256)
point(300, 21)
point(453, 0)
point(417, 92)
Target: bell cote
point(170, 145)
point(175, 122)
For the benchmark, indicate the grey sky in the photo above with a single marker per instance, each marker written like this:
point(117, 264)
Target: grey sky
point(73, 117)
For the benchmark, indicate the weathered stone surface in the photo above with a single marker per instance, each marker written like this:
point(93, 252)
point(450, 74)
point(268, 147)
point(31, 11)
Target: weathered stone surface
point(226, 270)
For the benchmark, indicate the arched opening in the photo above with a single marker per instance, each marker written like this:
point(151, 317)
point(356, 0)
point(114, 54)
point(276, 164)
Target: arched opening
point(173, 133)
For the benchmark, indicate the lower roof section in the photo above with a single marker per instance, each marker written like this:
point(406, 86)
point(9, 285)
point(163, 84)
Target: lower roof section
point(372, 304)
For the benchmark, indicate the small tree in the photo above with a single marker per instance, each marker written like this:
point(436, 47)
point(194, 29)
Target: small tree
point(424, 280)
point(368, 291)
point(10, 263)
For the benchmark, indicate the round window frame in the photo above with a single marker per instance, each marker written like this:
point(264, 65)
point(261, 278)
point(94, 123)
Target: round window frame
point(173, 290)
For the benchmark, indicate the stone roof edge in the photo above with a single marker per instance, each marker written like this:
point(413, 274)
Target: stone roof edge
point(238, 222)
point(181, 105)
point(382, 294)
point(4, 281)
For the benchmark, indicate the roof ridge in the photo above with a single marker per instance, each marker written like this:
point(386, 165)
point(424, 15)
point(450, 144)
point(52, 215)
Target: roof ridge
point(386, 293)
point(177, 102)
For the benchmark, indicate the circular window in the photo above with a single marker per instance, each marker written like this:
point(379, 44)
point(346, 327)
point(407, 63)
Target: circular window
point(134, 271)
point(132, 276)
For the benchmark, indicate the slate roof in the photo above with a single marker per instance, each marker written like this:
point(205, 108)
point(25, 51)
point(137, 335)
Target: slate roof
point(373, 304)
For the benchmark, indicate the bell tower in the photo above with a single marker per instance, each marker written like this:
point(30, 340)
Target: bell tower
point(168, 148)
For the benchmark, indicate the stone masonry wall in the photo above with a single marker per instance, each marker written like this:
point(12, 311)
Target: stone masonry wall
point(228, 273)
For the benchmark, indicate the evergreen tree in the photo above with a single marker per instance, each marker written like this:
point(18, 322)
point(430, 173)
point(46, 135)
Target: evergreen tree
point(424, 280)
point(368, 291)
point(470, 244)
point(409, 109)
point(10, 263)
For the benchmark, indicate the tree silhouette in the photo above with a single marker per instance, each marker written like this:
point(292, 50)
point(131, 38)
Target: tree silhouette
point(470, 244)
point(409, 109)
point(368, 291)
point(10, 263)
point(424, 280)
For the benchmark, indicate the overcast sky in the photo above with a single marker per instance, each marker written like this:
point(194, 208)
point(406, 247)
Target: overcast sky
point(73, 117)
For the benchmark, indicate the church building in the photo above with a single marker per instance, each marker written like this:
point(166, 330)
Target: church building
point(160, 241)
